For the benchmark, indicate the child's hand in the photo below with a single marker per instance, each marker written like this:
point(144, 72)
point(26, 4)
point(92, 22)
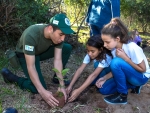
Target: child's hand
point(74, 95)
point(68, 89)
point(120, 53)
point(100, 82)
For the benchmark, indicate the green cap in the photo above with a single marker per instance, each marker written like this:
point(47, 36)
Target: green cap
point(62, 22)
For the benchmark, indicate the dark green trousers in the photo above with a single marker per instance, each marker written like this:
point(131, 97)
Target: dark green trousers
point(26, 83)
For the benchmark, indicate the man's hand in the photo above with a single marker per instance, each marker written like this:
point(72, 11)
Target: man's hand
point(74, 95)
point(48, 97)
point(100, 82)
point(68, 89)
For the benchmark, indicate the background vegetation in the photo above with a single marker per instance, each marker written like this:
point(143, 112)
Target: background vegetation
point(16, 15)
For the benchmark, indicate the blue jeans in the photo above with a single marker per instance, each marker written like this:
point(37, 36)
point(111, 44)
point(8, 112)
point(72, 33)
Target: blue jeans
point(124, 75)
point(95, 30)
point(110, 86)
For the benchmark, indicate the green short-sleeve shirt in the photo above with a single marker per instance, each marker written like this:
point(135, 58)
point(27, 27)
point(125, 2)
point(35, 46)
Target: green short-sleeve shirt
point(33, 42)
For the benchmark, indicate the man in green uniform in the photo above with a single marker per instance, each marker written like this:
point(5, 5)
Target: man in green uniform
point(39, 42)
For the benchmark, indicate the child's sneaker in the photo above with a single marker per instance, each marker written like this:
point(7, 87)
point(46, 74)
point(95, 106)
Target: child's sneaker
point(136, 90)
point(117, 98)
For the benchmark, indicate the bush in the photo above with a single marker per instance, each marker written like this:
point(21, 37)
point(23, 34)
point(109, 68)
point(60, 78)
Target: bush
point(18, 15)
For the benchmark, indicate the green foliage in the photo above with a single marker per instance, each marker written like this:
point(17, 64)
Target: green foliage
point(0, 106)
point(137, 13)
point(3, 62)
point(79, 10)
point(60, 94)
point(97, 110)
point(31, 12)
point(64, 71)
point(7, 91)
point(17, 15)
point(55, 70)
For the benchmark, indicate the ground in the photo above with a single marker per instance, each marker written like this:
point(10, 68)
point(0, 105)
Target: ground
point(90, 101)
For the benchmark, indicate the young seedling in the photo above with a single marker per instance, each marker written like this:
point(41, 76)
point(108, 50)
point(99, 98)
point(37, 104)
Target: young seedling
point(63, 72)
point(59, 95)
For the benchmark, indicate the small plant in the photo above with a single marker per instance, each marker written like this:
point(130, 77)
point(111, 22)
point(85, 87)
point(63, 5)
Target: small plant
point(63, 72)
point(59, 95)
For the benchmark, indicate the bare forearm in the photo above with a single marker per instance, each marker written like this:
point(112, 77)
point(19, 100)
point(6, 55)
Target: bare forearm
point(58, 66)
point(35, 79)
point(135, 66)
point(91, 78)
point(108, 76)
point(75, 77)
point(77, 74)
point(88, 81)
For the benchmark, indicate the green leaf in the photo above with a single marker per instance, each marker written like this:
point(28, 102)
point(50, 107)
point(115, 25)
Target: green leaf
point(64, 72)
point(58, 78)
point(55, 70)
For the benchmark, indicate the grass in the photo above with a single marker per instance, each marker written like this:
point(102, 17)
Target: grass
point(3, 62)
point(97, 110)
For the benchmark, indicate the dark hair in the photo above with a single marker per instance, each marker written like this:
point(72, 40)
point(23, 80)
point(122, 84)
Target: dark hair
point(97, 42)
point(54, 27)
point(117, 30)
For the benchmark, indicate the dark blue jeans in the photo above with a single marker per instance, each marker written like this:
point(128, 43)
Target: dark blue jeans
point(124, 75)
point(95, 30)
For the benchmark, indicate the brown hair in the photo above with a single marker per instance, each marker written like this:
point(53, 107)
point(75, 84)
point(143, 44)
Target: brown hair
point(117, 21)
point(117, 29)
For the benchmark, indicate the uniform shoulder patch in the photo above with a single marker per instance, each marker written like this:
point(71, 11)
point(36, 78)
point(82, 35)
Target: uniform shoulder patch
point(29, 48)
